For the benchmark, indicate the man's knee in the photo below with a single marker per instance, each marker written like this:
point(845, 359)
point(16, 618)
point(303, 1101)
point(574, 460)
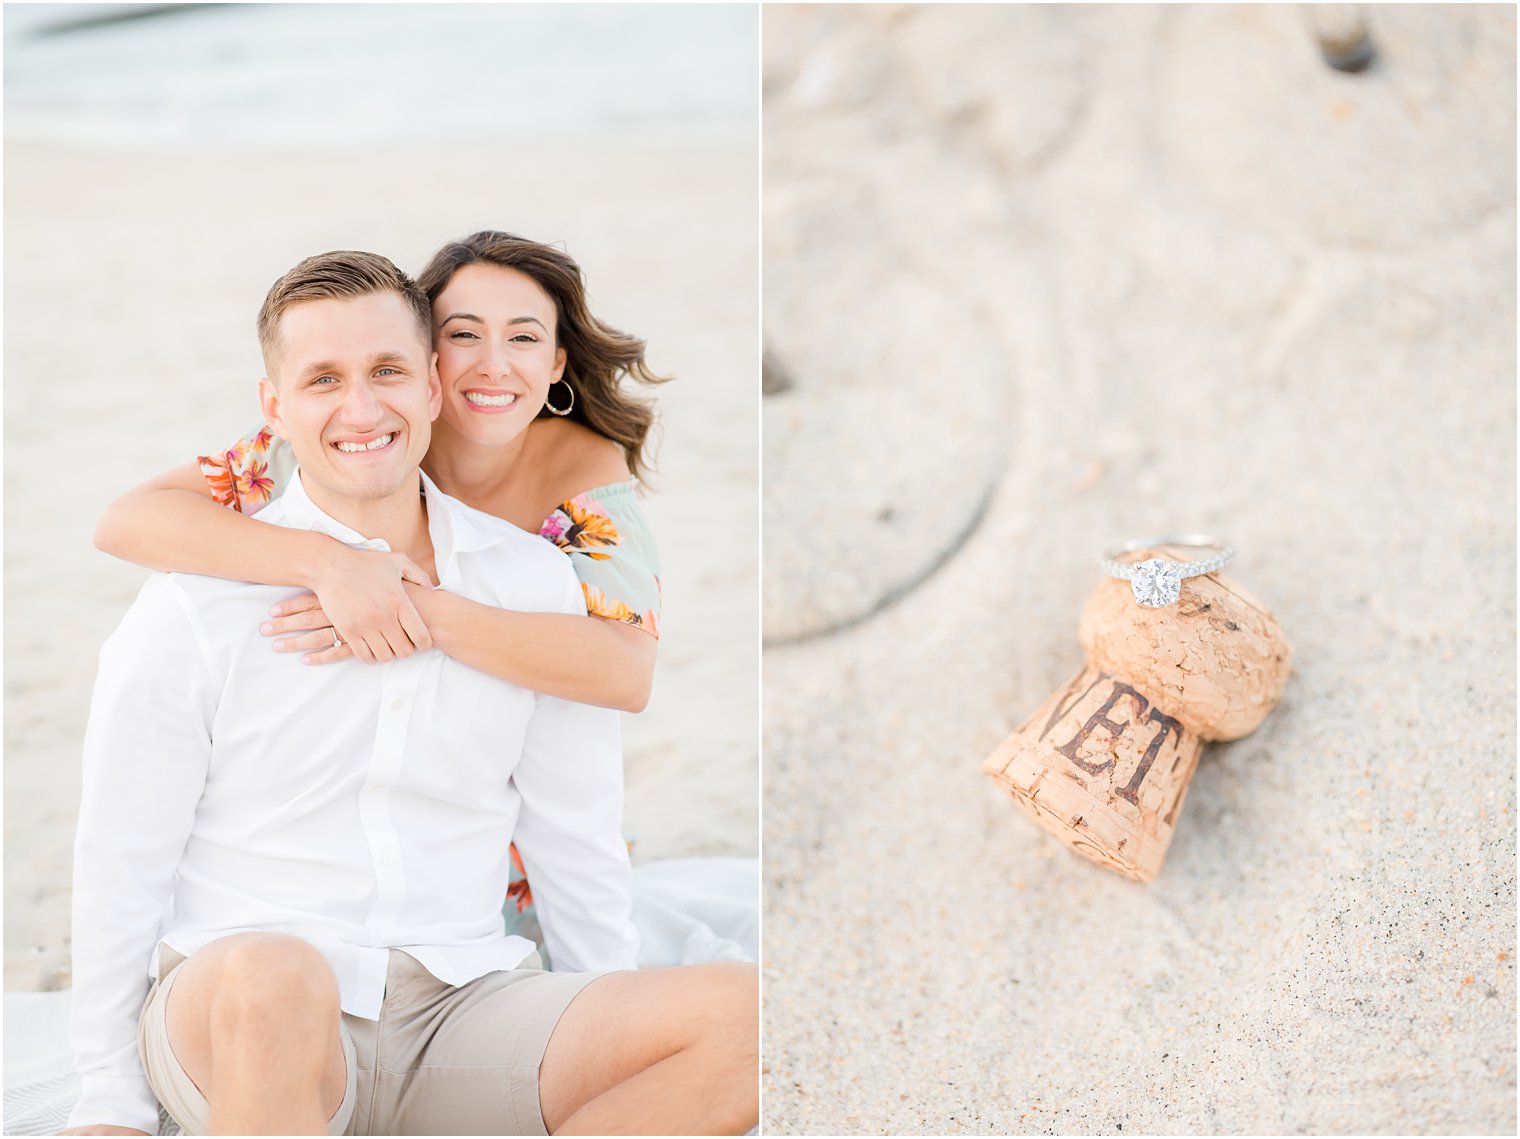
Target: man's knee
point(270, 976)
point(256, 995)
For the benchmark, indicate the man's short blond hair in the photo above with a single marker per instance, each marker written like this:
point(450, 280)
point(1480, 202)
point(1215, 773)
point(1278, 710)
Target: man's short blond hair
point(341, 273)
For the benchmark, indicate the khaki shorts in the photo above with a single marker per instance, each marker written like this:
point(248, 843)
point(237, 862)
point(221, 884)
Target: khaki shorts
point(441, 1060)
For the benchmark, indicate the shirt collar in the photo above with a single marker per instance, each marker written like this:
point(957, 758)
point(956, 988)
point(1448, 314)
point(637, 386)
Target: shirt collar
point(461, 528)
point(302, 513)
point(453, 527)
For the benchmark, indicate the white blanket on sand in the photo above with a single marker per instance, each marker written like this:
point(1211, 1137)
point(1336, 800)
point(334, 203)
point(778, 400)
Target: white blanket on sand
point(688, 910)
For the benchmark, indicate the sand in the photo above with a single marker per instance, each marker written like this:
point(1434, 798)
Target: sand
point(1223, 288)
point(133, 275)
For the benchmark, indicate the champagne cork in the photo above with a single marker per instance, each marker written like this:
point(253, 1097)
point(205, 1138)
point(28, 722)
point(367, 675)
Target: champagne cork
point(1104, 764)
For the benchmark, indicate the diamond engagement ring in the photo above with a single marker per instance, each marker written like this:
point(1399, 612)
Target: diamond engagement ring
point(1157, 582)
point(337, 640)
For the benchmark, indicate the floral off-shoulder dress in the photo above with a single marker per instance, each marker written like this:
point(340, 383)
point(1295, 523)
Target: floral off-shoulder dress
point(602, 531)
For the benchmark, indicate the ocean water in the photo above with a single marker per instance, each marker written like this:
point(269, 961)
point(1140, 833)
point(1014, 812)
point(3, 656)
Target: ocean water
point(337, 75)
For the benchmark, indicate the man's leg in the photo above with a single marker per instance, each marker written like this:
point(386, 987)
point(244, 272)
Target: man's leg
point(253, 1021)
point(659, 1051)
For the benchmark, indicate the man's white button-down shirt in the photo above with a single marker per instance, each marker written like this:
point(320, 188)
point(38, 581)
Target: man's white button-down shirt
point(361, 807)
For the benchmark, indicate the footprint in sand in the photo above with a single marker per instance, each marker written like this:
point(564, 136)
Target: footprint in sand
point(888, 395)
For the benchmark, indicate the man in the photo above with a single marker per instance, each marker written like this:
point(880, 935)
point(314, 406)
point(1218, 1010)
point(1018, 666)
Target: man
point(308, 864)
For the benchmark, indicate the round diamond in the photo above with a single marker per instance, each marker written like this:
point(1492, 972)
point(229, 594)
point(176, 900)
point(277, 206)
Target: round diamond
point(1156, 582)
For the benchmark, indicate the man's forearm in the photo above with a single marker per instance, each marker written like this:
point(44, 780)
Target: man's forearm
point(115, 927)
point(569, 834)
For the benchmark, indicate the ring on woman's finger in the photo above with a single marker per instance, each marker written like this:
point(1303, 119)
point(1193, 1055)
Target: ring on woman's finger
point(337, 640)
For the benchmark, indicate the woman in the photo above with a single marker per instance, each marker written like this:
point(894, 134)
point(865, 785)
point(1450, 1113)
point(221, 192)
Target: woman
point(534, 429)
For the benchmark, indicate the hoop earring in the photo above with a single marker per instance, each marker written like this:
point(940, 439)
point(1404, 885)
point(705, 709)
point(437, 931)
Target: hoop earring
point(568, 407)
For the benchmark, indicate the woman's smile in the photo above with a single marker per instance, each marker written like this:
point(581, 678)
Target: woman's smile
point(489, 402)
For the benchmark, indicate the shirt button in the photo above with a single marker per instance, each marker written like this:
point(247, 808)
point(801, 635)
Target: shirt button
point(387, 861)
point(395, 705)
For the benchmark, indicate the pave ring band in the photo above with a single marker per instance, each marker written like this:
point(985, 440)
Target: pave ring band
point(1157, 582)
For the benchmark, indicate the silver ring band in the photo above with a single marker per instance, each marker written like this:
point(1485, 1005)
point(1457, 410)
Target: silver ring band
point(1157, 582)
point(337, 640)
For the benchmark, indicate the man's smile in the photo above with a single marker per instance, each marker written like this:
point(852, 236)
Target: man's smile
point(378, 443)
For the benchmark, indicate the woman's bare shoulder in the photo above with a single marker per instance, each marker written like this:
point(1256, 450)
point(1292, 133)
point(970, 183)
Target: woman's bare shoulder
point(576, 458)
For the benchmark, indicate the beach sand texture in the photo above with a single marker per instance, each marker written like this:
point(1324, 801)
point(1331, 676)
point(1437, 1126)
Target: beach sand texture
point(138, 249)
point(1038, 279)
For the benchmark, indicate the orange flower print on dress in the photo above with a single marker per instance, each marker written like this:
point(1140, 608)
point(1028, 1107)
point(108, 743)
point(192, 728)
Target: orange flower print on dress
point(235, 475)
point(219, 471)
point(584, 528)
point(598, 604)
point(519, 889)
point(605, 537)
point(254, 484)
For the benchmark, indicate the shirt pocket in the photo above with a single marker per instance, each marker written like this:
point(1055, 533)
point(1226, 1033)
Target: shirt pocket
point(471, 730)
